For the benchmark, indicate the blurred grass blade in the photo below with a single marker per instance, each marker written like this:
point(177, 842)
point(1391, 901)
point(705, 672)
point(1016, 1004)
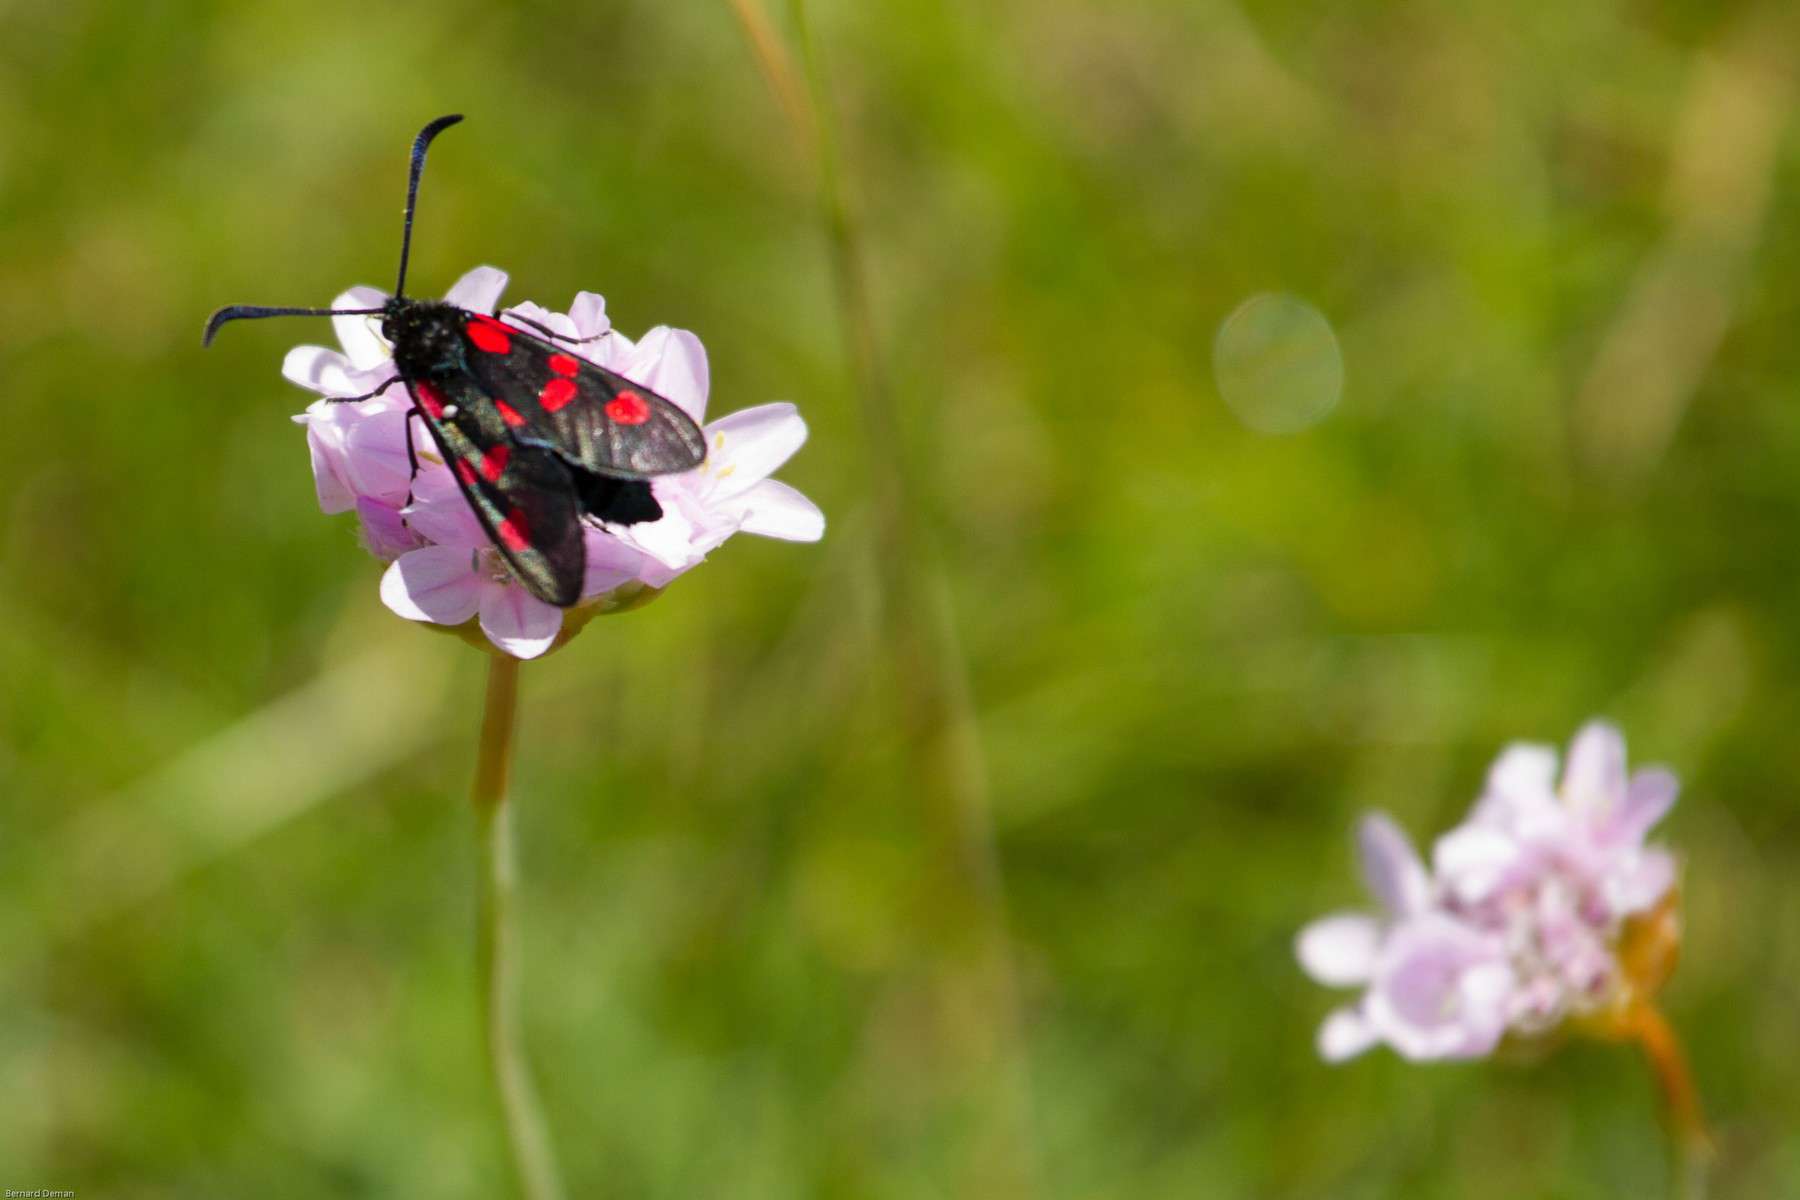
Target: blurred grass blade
point(318, 741)
point(1686, 295)
point(977, 980)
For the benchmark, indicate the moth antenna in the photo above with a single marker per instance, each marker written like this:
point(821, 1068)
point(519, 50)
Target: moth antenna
point(240, 312)
point(419, 146)
point(551, 333)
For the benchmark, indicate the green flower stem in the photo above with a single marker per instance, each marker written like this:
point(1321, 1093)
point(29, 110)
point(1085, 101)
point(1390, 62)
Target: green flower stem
point(496, 948)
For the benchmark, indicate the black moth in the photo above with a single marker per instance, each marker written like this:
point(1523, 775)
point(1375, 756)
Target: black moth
point(538, 438)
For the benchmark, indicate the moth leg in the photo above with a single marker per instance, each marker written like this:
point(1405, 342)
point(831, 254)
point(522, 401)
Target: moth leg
point(412, 455)
point(365, 396)
point(552, 334)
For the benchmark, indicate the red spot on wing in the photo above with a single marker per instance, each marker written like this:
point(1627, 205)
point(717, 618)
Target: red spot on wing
point(628, 408)
point(509, 414)
point(493, 462)
point(564, 364)
point(430, 399)
point(464, 472)
point(490, 335)
point(556, 393)
point(513, 532)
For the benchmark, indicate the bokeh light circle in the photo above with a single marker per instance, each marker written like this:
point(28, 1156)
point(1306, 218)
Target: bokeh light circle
point(1277, 363)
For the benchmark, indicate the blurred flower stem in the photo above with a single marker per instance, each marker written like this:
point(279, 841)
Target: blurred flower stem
point(1690, 1143)
point(978, 994)
point(496, 950)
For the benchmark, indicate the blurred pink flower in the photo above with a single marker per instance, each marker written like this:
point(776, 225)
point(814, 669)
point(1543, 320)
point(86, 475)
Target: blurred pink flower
point(1556, 869)
point(1517, 926)
point(1434, 987)
point(443, 569)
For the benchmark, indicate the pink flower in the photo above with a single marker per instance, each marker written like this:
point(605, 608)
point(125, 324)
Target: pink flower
point(443, 569)
point(1434, 987)
point(1556, 869)
point(1517, 926)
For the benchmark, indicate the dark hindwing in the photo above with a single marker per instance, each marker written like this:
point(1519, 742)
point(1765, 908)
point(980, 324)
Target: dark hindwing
point(593, 418)
point(619, 501)
point(524, 495)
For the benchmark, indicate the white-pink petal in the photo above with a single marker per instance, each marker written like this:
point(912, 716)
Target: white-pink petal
point(1640, 880)
point(433, 583)
point(478, 290)
point(518, 622)
point(1345, 1034)
point(384, 530)
point(610, 562)
point(1391, 866)
point(360, 336)
point(773, 509)
point(1648, 798)
point(750, 445)
point(672, 363)
point(325, 443)
point(614, 350)
point(1593, 782)
point(320, 370)
point(1472, 861)
point(1339, 950)
point(1485, 993)
point(588, 313)
point(660, 575)
point(671, 541)
point(1521, 781)
point(375, 455)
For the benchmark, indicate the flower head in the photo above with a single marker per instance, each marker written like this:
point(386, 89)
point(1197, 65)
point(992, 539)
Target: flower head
point(442, 568)
point(1519, 924)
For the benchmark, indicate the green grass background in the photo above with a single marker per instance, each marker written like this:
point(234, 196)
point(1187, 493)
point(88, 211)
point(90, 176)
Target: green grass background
point(1558, 244)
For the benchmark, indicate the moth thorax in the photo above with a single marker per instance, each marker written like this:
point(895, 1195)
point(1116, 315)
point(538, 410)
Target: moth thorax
point(425, 336)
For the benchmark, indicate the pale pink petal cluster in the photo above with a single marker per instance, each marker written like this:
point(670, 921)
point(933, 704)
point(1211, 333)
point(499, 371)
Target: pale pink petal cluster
point(1515, 926)
point(442, 567)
